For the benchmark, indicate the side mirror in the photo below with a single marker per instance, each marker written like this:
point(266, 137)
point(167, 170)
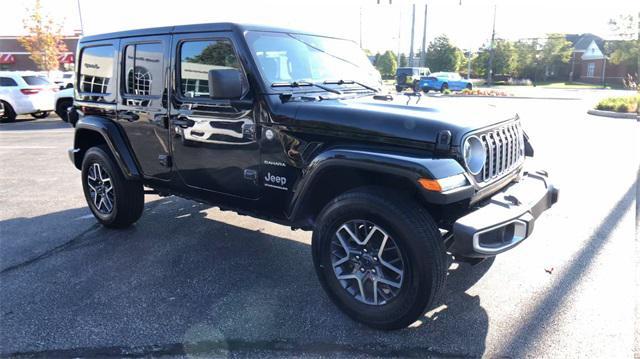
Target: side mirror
point(225, 83)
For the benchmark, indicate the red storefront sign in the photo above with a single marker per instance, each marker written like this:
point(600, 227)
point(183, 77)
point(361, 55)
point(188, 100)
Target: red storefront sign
point(7, 59)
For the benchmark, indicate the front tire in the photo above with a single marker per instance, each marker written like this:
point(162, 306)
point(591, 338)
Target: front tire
point(399, 88)
point(370, 241)
point(115, 201)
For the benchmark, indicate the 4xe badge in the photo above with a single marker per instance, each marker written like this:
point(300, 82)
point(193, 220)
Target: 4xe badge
point(274, 181)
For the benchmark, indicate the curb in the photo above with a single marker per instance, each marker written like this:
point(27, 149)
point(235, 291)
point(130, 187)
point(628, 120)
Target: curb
point(614, 114)
point(515, 97)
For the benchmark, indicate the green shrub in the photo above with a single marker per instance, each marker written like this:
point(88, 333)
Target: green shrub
point(619, 104)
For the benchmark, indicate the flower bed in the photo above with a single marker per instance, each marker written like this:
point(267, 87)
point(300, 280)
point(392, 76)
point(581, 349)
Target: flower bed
point(484, 92)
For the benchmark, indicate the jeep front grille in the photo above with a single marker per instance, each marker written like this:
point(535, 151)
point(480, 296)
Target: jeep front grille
point(505, 151)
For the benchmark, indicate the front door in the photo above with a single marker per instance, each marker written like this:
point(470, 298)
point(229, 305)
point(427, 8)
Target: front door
point(143, 106)
point(214, 142)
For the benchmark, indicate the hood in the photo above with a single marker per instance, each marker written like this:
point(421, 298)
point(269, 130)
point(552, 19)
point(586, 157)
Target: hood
point(412, 121)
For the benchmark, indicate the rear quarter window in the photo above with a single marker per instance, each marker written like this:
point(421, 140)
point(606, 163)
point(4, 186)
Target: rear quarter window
point(97, 73)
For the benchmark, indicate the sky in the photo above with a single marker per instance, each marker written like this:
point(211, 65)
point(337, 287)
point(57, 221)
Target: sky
point(467, 22)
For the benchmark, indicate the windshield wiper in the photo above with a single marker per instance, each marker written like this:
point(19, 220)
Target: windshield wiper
point(305, 83)
point(349, 82)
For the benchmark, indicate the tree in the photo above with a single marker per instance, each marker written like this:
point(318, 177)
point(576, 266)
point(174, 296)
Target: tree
point(505, 59)
point(479, 63)
point(442, 55)
point(218, 53)
point(387, 64)
point(402, 61)
point(627, 50)
point(555, 51)
point(44, 39)
point(526, 54)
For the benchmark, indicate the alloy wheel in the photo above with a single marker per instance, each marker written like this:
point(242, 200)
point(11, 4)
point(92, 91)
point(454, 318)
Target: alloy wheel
point(367, 262)
point(100, 188)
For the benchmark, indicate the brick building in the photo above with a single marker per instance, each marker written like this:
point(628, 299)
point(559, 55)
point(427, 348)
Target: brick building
point(589, 64)
point(13, 57)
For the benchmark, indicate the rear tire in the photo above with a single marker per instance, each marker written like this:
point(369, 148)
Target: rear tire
point(469, 87)
point(444, 87)
point(40, 115)
point(419, 246)
point(399, 88)
point(124, 202)
point(9, 113)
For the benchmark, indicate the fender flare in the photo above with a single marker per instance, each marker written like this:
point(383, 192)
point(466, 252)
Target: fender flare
point(402, 165)
point(113, 137)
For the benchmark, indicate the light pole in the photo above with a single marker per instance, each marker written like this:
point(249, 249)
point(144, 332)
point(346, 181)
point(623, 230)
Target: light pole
point(80, 15)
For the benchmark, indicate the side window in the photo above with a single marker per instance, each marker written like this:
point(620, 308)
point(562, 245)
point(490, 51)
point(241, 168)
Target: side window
point(143, 70)
point(197, 58)
point(97, 73)
point(7, 82)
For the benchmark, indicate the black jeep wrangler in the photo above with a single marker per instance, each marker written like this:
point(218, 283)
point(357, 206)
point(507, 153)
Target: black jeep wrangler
point(292, 128)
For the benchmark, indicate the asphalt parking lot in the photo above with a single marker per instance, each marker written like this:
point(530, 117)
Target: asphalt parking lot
point(188, 279)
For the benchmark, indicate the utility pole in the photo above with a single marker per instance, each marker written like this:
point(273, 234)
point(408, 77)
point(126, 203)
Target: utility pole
point(492, 51)
point(413, 27)
point(604, 71)
point(360, 25)
point(399, 33)
point(80, 15)
point(423, 55)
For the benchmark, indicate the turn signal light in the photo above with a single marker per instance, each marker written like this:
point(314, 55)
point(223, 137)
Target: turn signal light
point(430, 184)
point(443, 184)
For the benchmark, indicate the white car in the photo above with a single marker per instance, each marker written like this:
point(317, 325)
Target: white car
point(64, 100)
point(26, 93)
point(64, 80)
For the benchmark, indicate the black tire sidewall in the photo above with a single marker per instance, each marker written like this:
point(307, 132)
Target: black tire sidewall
point(99, 155)
point(61, 109)
point(415, 294)
point(9, 113)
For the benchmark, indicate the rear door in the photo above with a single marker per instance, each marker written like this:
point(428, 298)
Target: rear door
point(143, 102)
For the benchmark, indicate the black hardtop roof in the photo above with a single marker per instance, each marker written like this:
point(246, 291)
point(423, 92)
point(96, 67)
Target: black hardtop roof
point(208, 27)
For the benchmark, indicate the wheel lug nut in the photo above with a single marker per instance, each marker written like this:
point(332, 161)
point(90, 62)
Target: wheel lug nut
point(358, 257)
point(375, 258)
point(361, 269)
point(364, 250)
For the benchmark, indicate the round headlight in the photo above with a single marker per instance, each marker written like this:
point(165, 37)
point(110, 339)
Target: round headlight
point(474, 154)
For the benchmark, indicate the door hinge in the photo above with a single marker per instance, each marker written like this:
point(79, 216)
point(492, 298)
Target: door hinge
point(165, 160)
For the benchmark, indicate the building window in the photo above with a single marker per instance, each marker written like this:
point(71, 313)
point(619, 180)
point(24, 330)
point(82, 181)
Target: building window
point(591, 69)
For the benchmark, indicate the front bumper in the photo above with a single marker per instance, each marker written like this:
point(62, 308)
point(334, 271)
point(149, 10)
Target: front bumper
point(504, 220)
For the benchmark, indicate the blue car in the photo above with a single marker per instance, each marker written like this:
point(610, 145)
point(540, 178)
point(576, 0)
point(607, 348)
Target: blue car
point(440, 81)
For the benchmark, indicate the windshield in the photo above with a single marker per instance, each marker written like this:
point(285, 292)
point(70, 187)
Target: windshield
point(285, 58)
